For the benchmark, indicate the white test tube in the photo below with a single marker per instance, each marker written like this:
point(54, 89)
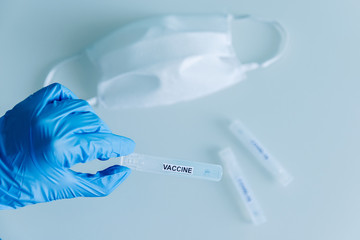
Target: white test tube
point(263, 156)
point(146, 163)
point(237, 177)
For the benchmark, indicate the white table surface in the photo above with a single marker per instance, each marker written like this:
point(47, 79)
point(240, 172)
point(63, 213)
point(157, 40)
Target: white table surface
point(305, 109)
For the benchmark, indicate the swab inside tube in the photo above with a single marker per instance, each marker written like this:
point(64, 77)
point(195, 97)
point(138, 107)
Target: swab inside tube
point(242, 187)
point(146, 163)
point(263, 156)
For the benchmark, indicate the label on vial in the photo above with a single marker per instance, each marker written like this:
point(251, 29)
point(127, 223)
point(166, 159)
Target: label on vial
point(177, 168)
point(244, 189)
point(259, 149)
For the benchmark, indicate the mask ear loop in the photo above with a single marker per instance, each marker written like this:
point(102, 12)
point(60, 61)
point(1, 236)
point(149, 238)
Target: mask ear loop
point(50, 76)
point(281, 47)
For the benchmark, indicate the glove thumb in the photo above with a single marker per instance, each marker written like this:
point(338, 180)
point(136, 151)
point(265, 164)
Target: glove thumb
point(100, 184)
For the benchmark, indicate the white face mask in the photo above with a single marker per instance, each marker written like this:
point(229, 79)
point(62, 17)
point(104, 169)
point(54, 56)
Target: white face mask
point(167, 59)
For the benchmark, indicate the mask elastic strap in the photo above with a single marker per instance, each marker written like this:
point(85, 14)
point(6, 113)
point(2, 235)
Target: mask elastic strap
point(281, 47)
point(49, 78)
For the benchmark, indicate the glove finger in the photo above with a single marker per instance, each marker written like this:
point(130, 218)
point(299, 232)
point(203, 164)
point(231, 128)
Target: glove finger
point(85, 122)
point(100, 184)
point(98, 145)
point(49, 94)
point(61, 109)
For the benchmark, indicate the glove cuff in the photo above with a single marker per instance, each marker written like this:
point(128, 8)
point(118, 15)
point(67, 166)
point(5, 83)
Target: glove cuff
point(6, 200)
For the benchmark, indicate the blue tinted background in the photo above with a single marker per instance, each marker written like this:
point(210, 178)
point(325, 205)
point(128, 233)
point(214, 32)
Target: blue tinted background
point(304, 108)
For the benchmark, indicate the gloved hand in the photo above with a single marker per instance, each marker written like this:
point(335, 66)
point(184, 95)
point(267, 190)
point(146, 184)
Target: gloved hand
point(46, 134)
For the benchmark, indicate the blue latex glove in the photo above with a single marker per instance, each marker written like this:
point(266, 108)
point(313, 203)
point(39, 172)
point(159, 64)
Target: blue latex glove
point(46, 134)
